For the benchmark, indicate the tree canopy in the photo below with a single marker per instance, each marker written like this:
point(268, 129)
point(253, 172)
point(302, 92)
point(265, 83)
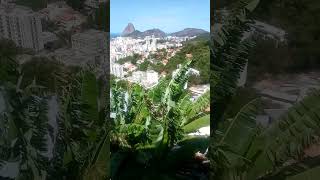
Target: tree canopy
point(201, 53)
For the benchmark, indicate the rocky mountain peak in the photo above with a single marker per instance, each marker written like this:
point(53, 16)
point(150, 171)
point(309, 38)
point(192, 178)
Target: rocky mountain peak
point(128, 30)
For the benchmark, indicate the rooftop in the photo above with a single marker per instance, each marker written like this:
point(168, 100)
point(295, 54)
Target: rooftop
point(270, 29)
point(90, 33)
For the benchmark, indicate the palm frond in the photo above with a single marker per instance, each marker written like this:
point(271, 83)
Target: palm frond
point(197, 108)
point(287, 137)
point(296, 169)
point(229, 55)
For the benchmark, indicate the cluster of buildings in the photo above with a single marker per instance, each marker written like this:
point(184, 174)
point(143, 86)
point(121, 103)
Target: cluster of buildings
point(63, 16)
point(25, 28)
point(121, 47)
point(89, 46)
point(147, 79)
point(21, 25)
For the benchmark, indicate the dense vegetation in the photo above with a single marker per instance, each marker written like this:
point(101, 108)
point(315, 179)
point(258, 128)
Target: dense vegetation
point(152, 126)
point(201, 53)
point(43, 71)
point(8, 52)
point(199, 48)
point(240, 148)
point(33, 4)
point(80, 136)
point(130, 59)
point(149, 130)
point(76, 4)
point(299, 19)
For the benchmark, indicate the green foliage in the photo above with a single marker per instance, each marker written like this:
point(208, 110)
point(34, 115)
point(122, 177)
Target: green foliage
point(24, 125)
point(43, 70)
point(89, 95)
point(242, 97)
point(132, 59)
point(8, 63)
point(195, 125)
point(84, 133)
point(234, 137)
point(240, 149)
point(33, 4)
point(311, 174)
point(299, 19)
point(81, 149)
point(156, 66)
point(287, 137)
point(276, 60)
point(201, 54)
point(76, 4)
point(144, 66)
point(229, 54)
point(149, 123)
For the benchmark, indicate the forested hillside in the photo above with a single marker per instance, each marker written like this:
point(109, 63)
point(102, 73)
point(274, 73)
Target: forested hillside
point(200, 52)
point(300, 19)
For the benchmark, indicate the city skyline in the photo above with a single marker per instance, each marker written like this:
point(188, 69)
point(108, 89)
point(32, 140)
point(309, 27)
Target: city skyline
point(175, 15)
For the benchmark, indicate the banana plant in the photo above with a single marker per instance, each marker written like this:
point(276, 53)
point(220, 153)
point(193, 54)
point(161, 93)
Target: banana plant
point(148, 124)
point(84, 131)
point(240, 149)
point(24, 128)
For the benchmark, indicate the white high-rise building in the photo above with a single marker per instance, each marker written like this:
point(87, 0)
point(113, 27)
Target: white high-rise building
point(152, 76)
point(148, 42)
point(154, 44)
point(117, 70)
point(21, 25)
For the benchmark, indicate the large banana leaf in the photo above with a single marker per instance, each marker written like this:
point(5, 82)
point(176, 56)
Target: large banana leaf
point(311, 174)
point(286, 138)
point(23, 132)
point(100, 163)
point(238, 132)
point(197, 124)
point(194, 109)
point(229, 56)
point(233, 139)
point(89, 95)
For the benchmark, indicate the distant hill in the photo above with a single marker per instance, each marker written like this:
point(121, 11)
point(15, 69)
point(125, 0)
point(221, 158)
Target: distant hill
point(134, 34)
point(156, 32)
point(189, 32)
point(205, 37)
point(130, 31)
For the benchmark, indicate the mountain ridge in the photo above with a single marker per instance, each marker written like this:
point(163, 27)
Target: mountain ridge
point(159, 33)
point(189, 32)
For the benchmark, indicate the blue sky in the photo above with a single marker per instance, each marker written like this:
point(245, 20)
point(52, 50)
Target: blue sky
point(167, 15)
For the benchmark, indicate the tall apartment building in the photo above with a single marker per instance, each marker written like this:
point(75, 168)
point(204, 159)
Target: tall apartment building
point(117, 70)
point(21, 25)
